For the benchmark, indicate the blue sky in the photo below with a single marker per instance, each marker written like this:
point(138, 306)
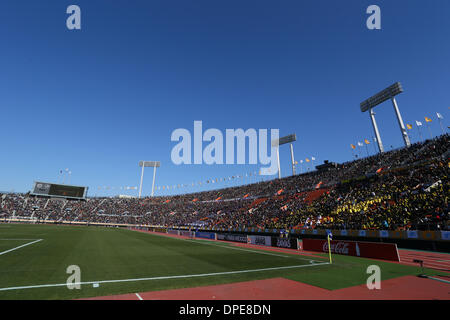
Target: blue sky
point(99, 99)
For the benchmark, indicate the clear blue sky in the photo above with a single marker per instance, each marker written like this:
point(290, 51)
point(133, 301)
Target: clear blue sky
point(99, 99)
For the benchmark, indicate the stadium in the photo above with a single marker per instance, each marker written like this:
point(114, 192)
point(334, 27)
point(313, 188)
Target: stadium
point(107, 191)
point(226, 243)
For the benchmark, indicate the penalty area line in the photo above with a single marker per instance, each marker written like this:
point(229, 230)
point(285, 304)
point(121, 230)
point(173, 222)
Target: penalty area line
point(24, 245)
point(165, 277)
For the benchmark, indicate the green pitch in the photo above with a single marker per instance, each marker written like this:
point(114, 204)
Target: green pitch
point(34, 260)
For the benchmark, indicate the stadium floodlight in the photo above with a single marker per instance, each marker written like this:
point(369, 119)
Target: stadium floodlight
point(382, 96)
point(143, 164)
point(283, 140)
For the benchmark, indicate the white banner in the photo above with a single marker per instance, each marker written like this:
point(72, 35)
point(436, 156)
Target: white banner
point(260, 240)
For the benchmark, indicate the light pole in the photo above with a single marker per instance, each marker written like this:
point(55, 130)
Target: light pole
point(387, 94)
point(153, 164)
point(277, 143)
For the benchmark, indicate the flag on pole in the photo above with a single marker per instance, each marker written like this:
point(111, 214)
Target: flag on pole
point(409, 126)
point(352, 146)
point(418, 123)
point(329, 237)
point(312, 158)
point(366, 141)
point(440, 117)
point(329, 234)
point(307, 160)
point(360, 144)
point(428, 119)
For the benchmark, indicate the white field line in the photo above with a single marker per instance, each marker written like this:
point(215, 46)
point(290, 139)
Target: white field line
point(165, 277)
point(261, 251)
point(139, 297)
point(24, 245)
point(234, 248)
point(212, 243)
point(18, 239)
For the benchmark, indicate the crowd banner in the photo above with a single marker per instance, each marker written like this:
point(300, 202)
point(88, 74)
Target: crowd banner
point(427, 235)
point(397, 234)
point(372, 233)
point(445, 235)
point(205, 235)
point(384, 234)
point(232, 237)
point(412, 234)
point(374, 250)
point(260, 240)
point(280, 242)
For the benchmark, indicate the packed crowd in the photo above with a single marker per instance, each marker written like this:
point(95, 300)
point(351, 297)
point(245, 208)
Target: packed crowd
point(397, 190)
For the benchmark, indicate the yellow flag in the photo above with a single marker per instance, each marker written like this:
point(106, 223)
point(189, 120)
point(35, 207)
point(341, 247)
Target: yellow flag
point(427, 119)
point(353, 146)
point(366, 141)
point(409, 126)
point(307, 160)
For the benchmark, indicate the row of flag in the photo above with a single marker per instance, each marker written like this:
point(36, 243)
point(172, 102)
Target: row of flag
point(218, 180)
point(248, 175)
point(408, 126)
point(307, 160)
point(209, 181)
point(117, 188)
point(360, 144)
point(419, 123)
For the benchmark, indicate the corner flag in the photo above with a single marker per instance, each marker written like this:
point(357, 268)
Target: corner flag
point(329, 234)
point(329, 237)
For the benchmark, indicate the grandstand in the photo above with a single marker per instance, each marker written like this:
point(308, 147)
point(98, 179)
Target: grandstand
point(370, 205)
point(404, 189)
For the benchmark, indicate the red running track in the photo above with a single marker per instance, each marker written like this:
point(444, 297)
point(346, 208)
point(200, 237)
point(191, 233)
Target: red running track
point(432, 260)
point(403, 288)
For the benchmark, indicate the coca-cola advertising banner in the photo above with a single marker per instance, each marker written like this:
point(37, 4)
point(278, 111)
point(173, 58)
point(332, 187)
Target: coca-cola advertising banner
point(375, 250)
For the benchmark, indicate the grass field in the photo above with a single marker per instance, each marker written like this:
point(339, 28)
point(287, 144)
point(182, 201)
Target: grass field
point(34, 256)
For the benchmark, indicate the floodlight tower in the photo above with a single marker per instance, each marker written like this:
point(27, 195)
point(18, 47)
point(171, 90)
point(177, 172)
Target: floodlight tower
point(380, 97)
point(277, 143)
point(153, 164)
